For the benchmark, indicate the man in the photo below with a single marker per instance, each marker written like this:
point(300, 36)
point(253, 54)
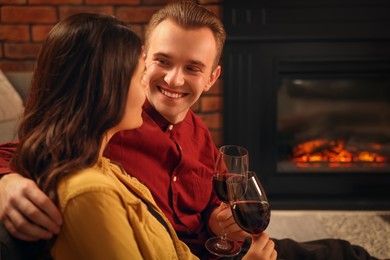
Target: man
point(172, 153)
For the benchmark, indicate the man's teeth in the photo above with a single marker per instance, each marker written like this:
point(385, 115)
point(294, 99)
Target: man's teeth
point(171, 95)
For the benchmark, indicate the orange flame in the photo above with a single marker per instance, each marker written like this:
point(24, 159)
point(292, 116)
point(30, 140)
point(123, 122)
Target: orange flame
point(334, 152)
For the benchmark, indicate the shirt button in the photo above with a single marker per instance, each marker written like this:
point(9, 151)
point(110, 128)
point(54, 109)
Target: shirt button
point(170, 127)
point(174, 178)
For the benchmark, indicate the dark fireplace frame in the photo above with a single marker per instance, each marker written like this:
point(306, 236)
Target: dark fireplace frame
point(264, 37)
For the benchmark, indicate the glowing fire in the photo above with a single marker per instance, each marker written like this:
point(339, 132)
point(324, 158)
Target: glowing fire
point(334, 152)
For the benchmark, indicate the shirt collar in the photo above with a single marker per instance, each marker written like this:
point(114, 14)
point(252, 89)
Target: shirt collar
point(157, 117)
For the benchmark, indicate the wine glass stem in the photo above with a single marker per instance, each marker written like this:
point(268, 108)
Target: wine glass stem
point(224, 235)
point(223, 244)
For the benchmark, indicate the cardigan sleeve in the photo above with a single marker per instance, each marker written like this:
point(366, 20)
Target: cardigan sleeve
point(96, 227)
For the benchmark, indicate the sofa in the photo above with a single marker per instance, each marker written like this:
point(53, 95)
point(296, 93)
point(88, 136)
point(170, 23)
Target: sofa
point(13, 90)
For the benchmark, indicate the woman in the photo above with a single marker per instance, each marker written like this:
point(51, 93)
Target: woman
point(87, 85)
point(85, 88)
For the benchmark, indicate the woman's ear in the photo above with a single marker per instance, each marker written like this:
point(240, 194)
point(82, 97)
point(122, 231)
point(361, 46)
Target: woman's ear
point(213, 78)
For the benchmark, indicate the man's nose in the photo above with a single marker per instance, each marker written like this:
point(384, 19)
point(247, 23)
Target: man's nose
point(175, 77)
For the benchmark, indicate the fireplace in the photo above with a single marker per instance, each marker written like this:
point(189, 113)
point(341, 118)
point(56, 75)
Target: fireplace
point(332, 122)
point(307, 91)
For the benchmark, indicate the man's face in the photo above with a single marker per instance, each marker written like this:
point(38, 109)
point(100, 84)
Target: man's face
point(179, 67)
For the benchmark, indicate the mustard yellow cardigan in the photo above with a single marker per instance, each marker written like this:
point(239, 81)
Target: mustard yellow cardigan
point(104, 218)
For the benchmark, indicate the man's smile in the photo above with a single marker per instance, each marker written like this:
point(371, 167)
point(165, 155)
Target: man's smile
point(171, 94)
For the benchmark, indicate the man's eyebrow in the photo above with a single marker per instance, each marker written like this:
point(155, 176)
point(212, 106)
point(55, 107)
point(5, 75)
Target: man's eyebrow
point(162, 54)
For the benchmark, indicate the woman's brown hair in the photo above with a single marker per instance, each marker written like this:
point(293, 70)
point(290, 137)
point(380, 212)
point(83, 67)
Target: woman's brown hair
point(78, 92)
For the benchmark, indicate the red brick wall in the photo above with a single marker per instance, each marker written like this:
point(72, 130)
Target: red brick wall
point(24, 24)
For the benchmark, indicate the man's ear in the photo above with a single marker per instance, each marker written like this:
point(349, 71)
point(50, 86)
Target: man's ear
point(213, 78)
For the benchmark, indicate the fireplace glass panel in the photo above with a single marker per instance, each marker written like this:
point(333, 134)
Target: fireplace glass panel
point(333, 125)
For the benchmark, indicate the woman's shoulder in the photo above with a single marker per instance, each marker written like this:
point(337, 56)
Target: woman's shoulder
point(88, 177)
point(91, 179)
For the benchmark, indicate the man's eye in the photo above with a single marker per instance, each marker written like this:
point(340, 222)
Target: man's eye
point(162, 62)
point(193, 69)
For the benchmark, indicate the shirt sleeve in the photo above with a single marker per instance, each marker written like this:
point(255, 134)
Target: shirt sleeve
point(6, 152)
point(96, 227)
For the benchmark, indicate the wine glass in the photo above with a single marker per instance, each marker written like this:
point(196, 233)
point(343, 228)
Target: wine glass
point(231, 160)
point(249, 203)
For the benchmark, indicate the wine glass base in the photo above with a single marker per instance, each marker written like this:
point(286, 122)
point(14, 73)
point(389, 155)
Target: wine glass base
point(229, 248)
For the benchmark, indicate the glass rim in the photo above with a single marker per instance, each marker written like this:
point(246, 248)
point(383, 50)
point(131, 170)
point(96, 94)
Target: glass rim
point(239, 148)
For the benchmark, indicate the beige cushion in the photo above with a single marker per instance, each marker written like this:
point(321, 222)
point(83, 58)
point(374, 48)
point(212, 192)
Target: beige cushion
point(11, 108)
point(11, 104)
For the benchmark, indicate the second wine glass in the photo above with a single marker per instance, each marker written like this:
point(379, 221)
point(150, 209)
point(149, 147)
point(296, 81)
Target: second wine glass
point(231, 160)
point(249, 203)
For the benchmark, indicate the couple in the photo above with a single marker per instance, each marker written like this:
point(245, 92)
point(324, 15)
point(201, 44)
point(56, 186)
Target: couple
point(89, 85)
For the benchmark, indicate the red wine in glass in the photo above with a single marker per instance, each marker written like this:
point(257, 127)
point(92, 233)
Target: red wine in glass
point(219, 186)
point(251, 215)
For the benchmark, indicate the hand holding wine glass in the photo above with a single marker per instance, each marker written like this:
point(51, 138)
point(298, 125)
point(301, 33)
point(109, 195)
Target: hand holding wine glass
point(232, 160)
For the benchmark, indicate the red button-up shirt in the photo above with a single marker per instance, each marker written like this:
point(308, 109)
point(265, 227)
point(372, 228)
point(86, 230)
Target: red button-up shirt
point(175, 162)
